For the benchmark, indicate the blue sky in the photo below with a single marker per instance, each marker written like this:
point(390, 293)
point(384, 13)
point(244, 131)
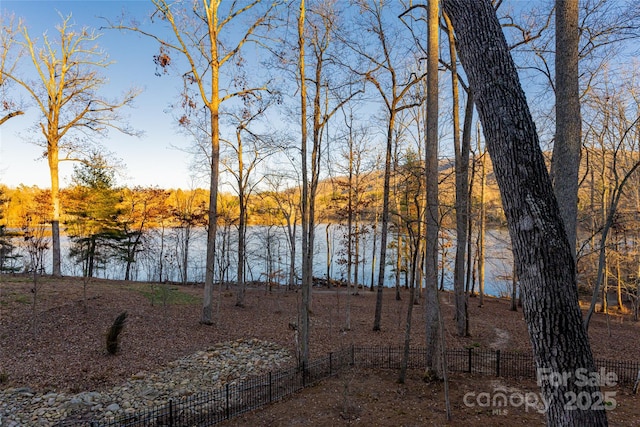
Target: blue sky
point(151, 160)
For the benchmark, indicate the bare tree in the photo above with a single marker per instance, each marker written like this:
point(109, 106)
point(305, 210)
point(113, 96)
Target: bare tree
point(613, 125)
point(544, 262)
point(393, 86)
point(10, 53)
point(249, 150)
point(66, 93)
point(287, 200)
point(189, 212)
point(326, 97)
point(196, 36)
point(140, 209)
point(359, 164)
point(462, 148)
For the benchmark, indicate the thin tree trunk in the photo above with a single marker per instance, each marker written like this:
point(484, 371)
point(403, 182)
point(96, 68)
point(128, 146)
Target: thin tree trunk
point(241, 282)
point(470, 258)
point(373, 251)
point(385, 220)
point(636, 305)
point(398, 262)
point(356, 255)
point(185, 255)
point(407, 333)
point(605, 289)
point(328, 274)
point(292, 255)
point(619, 285)
point(349, 234)
point(514, 289)
point(305, 208)
point(482, 227)
point(462, 183)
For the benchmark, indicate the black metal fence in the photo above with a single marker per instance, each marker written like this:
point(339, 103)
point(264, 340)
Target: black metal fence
point(214, 406)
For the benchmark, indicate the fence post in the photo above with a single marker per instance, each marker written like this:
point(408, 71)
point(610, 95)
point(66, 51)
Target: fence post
point(270, 389)
point(227, 408)
point(470, 358)
point(497, 363)
point(170, 412)
point(304, 375)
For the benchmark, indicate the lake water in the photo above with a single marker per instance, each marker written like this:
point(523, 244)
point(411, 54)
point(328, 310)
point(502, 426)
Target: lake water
point(269, 245)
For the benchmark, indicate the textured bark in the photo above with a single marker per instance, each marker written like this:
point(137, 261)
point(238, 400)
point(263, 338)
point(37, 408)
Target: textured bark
point(542, 253)
point(432, 302)
point(304, 205)
point(566, 149)
point(10, 116)
point(385, 221)
point(207, 302)
point(461, 149)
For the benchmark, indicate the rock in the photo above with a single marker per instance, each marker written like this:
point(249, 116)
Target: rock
point(139, 376)
point(222, 363)
point(114, 407)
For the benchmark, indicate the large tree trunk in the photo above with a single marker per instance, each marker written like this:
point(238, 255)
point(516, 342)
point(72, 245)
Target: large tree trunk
point(207, 304)
point(55, 201)
point(566, 149)
point(542, 253)
point(432, 301)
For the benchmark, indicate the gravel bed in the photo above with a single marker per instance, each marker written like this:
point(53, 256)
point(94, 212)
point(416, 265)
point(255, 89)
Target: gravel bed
point(224, 363)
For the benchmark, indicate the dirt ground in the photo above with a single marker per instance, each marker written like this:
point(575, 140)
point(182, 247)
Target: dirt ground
point(58, 345)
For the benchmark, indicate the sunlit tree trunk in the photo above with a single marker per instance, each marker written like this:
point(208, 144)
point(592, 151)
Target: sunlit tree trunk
point(52, 156)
